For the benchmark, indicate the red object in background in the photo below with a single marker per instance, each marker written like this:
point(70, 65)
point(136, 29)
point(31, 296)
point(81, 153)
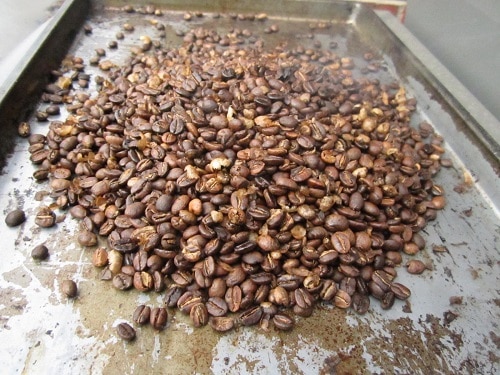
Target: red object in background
point(398, 10)
point(396, 7)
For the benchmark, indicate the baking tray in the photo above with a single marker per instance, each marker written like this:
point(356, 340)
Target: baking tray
point(43, 333)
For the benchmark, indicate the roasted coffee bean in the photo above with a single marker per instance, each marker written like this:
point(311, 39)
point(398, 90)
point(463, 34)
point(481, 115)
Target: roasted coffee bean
point(235, 276)
point(217, 306)
point(279, 296)
point(416, 266)
point(342, 299)
point(328, 290)
point(45, 217)
point(172, 295)
point(69, 288)
point(40, 252)
point(158, 282)
point(52, 110)
point(218, 288)
point(303, 298)
point(283, 321)
point(199, 315)
point(158, 318)
point(400, 291)
point(340, 242)
point(251, 316)
point(143, 281)
point(87, 238)
point(100, 257)
point(142, 314)
point(233, 298)
point(382, 279)
point(122, 281)
point(387, 300)
point(126, 331)
point(15, 218)
point(187, 300)
point(24, 129)
point(221, 324)
point(360, 303)
point(242, 187)
point(115, 261)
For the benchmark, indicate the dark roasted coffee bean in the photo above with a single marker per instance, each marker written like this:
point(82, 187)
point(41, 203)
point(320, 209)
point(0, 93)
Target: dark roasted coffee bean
point(400, 291)
point(340, 242)
point(360, 303)
point(187, 300)
point(217, 306)
point(40, 252)
point(172, 295)
point(328, 290)
point(387, 300)
point(158, 318)
point(303, 298)
point(126, 331)
point(122, 281)
point(251, 316)
point(142, 314)
point(69, 288)
point(15, 218)
point(233, 298)
point(283, 321)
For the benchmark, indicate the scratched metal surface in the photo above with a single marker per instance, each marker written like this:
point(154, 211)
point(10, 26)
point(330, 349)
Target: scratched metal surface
point(43, 333)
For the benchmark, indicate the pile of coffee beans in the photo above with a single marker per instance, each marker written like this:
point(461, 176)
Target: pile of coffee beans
point(246, 184)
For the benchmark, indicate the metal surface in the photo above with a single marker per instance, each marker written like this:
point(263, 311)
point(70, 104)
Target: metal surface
point(43, 333)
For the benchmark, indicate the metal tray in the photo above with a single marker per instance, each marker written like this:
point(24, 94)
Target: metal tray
point(43, 333)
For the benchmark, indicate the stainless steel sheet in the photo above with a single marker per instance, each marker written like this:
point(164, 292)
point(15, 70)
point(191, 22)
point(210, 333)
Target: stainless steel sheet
point(44, 333)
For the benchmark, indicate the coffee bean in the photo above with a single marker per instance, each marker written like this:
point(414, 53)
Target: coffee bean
point(416, 266)
point(158, 318)
point(340, 242)
point(199, 315)
point(172, 295)
point(40, 252)
point(360, 303)
point(15, 218)
point(251, 316)
point(221, 324)
point(45, 217)
point(387, 300)
point(87, 238)
point(100, 257)
point(217, 306)
point(283, 321)
point(238, 187)
point(400, 291)
point(126, 331)
point(233, 298)
point(122, 281)
point(69, 288)
point(342, 299)
point(142, 314)
point(24, 129)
